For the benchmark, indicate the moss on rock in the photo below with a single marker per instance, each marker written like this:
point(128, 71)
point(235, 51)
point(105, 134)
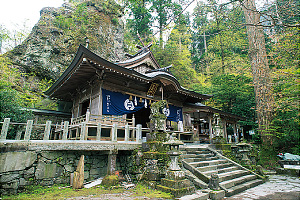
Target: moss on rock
point(110, 180)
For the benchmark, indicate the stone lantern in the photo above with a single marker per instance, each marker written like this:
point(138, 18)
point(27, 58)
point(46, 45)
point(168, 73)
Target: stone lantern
point(175, 181)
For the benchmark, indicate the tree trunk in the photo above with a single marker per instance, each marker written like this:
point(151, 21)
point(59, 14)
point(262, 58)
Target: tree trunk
point(260, 70)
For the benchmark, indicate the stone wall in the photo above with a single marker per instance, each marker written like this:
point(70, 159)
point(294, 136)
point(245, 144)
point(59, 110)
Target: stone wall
point(23, 168)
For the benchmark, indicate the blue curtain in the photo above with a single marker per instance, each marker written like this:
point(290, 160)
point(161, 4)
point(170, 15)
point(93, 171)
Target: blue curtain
point(173, 113)
point(116, 103)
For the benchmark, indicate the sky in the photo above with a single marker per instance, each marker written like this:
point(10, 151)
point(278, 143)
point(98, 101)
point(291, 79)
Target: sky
point(16, 12)
point(24, 14)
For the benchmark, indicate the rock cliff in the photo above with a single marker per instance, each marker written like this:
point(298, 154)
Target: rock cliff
point(54, 40)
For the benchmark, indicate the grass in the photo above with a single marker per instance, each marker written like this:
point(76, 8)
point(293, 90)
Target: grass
point(60, 192)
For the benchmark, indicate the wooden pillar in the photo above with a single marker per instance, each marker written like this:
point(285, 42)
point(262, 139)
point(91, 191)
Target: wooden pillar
point(224, 129)
point(133, 125)
point(47, 130)
point(126, 139)
point(98, 137)
point(236, 134)
point(114, 132)
point(210, 129)
point(83, 131)
point(87, 116)
point(4, 129)
point(28, 130)
point(112, 162)
point(65, 131)
point(100, 99)
point(138, 132)
point(19, 135)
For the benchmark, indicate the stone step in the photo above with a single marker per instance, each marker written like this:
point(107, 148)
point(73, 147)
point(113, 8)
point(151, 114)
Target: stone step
point(214, 167)
point(208, 162)
point(237, 181)
point(221, 170)
point(200, 159)
point(196, 155)
point(231, 175)
point(198, 195)
point(183, 148)
point(242, 187)
point(195, 180)
point(197, 152)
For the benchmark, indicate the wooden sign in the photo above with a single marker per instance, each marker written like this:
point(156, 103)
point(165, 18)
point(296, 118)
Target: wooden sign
point(152, 89)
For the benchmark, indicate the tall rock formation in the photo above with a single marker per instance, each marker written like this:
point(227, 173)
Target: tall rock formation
point(53, 41)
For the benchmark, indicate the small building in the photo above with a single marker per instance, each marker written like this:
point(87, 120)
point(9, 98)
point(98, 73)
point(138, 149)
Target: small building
point(121, 94)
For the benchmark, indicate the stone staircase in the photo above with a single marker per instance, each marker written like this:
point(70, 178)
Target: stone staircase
point(202, 162)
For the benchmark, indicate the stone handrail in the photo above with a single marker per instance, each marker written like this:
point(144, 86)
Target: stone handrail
point(237, 164)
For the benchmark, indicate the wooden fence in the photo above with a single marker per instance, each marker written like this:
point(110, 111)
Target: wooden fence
point(95, 131)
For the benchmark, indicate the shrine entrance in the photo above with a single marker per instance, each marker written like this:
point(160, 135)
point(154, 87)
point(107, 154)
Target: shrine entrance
point(141, 117)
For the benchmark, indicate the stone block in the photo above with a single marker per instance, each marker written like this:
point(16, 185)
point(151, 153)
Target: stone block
point(12, 185)
point(216, 195)
point(86, 175)
point(23, 182)
point(46, 182)
point(176, 184)
point(53, 155)
point(9, 177)
point(69, 168)
point(176, 192)
point(94, 171)
point(16, 161)
point(175, 175)
point(29, 173)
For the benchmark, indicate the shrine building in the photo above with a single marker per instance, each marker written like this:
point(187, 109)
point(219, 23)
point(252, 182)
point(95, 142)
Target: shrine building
point(120, 94)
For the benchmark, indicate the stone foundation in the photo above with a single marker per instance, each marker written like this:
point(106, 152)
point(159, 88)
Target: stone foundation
point(23, 168)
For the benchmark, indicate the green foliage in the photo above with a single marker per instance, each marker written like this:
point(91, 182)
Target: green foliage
point(27, 88)
point(285, 60)
point(62, 192)
point(267, 157)
point(141, 22)
point(85, 22)
point(234, 94)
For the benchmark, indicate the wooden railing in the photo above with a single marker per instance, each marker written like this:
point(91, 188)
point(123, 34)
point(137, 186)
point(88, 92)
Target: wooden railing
point(104, 119)
point(67, 131)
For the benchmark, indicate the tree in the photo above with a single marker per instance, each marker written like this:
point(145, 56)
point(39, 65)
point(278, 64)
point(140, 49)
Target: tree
point(260, 70)
point(164, 10)
point(141, 22)
point(234, 94)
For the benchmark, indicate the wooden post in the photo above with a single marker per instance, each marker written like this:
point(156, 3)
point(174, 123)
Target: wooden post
point(83, 131)
point(210, 129)
point(47, 130)
point(87, 116)
point(28, 130)
point(236, 134)
point(98, 137)
point(114, 133)
point(224, 129)
point(65, 132)
point(126, 139)
point(133, 125)
point(138, 132)
point(78, 177)
point(4, 129)
point(19, 135)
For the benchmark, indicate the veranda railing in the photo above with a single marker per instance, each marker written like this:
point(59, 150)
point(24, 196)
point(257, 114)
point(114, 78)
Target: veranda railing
point(67, 131)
